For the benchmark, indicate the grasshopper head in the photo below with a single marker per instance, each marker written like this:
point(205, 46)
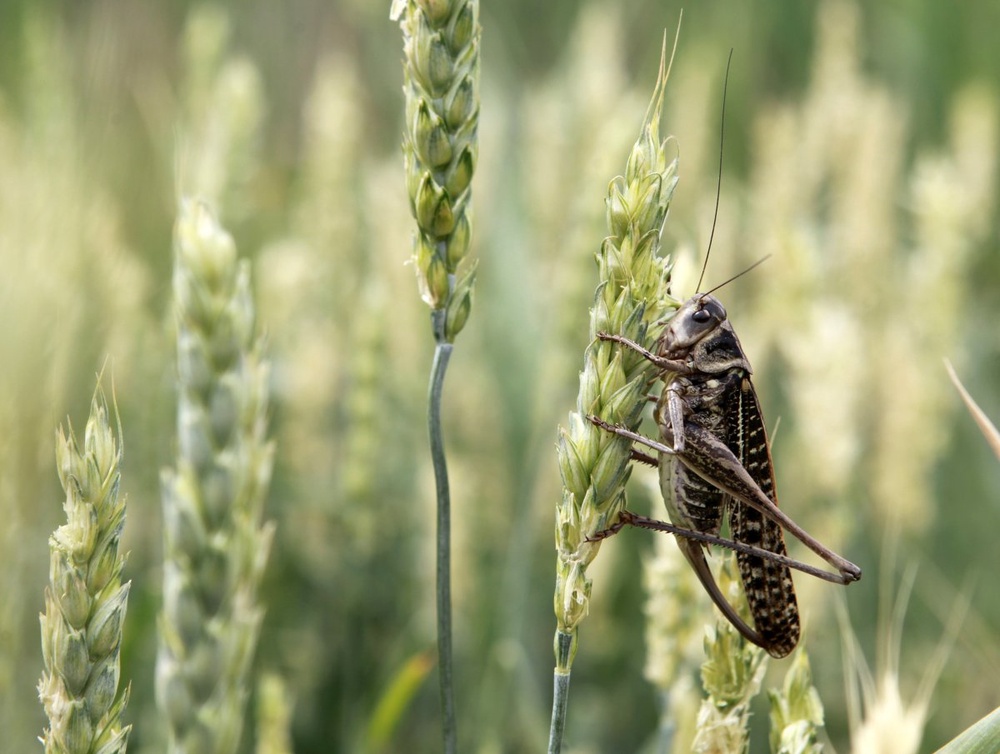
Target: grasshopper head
point(701, 334)
point(697, 317)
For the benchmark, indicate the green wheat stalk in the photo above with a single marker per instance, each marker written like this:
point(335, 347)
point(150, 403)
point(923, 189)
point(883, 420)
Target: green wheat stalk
point(631, 298)
point(214, 544)
point(441, 40)
point(85, 600)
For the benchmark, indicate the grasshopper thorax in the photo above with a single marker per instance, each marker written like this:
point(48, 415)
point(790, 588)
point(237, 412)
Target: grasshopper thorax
point(700, 334)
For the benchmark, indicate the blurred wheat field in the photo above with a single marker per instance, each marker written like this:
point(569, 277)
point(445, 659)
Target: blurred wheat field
point(861, 154)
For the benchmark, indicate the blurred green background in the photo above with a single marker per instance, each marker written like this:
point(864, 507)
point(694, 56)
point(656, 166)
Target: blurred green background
point(861, 152)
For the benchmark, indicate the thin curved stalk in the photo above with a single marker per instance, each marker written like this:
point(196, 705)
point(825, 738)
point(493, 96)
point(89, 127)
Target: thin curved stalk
point(442, 354)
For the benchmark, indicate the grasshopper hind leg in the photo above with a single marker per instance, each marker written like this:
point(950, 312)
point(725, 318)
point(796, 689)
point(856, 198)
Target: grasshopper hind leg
point(639, 457)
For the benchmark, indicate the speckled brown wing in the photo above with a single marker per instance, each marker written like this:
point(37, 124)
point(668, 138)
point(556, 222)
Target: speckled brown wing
point(768, 585)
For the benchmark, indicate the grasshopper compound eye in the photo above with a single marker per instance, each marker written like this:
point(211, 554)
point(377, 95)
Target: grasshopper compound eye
point(708, 309)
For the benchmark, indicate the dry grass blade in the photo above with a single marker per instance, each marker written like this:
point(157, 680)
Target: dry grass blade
point(987, 427)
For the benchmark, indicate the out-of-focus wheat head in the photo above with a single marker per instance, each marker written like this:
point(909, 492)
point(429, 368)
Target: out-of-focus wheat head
point(674, 637)
point(731, 676)
point(440, 149)
point(673, 627)
point(796, 711)
point(222, 108)
point(890, 723)
point(951, 195)
point(215, 545)
point(68, 282)
point(85, 600)
point(565, 141)
point(881, 719)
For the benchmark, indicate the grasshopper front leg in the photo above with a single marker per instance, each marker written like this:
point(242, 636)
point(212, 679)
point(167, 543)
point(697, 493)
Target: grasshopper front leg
point(630, 435)
point(669, 365)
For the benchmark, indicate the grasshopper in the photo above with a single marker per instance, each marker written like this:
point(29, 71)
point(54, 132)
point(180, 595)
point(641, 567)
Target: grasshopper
point(715, 457)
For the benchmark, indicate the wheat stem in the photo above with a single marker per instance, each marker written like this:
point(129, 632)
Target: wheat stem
point(442, 354)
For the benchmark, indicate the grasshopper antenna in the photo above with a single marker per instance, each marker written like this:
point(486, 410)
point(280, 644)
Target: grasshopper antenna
point(758, 263)
point(718, 185)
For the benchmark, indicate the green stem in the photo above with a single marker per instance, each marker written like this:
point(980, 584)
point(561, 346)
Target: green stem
point(560, 689)
point(442, 353)
point(560, 698)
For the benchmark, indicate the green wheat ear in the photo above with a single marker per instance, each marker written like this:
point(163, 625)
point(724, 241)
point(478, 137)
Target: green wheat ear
point(85, 600)
point(215, 546)
point(440, 149)
point(632, 295)
point(796, 711)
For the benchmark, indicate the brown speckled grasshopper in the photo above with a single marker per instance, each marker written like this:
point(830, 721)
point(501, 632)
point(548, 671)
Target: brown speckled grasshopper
point(715, 457)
